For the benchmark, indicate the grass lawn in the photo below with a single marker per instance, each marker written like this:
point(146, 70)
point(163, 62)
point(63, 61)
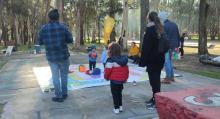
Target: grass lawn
point(2, 47)
point(190, 63)
point(211, 74)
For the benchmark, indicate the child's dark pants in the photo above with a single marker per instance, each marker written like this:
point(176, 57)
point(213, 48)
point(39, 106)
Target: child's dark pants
point(181, 51)
point(116, 90)
point(91, 65)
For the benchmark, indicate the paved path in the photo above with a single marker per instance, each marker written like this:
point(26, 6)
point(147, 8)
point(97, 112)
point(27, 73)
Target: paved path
point(23, 99)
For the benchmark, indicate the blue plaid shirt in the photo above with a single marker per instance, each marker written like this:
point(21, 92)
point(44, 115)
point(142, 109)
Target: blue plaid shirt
point(55, 37)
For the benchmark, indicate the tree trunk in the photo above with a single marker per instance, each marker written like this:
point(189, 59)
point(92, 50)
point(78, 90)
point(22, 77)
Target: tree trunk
point(144, 12)
point(112, 14)
point(99, 30)
point(77, 41)
point(47, 9)
point(218, 19)
point(33, 25)
point(12, 32)
point(94, 30)
point(81, 32)
point(214, 20)
point(124, 33)
point(155, 5)
point(203, 10)
point(213, 30)
point(98, 22)
point(59, 6)
point(30, 30)
point(94, 33)
point(190, 16)
point(1, 15)
point(217, 15)
point(4, 33)
point(80, 16)
point(20, 29)
point(87, 32)
point(17, 35)
point(25, 31)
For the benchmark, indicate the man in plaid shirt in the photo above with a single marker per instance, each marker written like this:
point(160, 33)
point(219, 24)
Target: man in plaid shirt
point(55, 37)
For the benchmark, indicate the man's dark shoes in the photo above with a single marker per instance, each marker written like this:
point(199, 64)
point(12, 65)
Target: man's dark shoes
point(151, 106)
point(56, 99)
point(65, 96)
point(149, 102)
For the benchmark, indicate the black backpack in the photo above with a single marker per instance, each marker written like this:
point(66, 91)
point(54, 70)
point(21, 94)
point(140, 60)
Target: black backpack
point(163, 44)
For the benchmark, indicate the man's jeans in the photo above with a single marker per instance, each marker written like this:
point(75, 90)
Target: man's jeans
point(59, 72)
point(168, 65)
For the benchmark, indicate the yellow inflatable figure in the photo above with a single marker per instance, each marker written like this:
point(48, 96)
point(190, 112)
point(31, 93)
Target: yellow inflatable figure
point(108, 26)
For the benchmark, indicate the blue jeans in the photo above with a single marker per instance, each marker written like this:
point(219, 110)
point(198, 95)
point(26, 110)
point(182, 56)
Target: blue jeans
point(59, 72)
point(168, 65)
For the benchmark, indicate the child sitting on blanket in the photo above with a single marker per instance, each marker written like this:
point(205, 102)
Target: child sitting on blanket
point(116, 70)
point(104, 56)
point(92, 58)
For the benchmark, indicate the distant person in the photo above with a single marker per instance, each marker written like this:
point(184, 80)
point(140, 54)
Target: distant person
point(120, 41)
point(92, 58)
point(172, 32)
point(134, 53)
point(150, 55)
point(116, 70)
point(182, 38)
point(112, 36)
point(104, 55)
point(55, 37)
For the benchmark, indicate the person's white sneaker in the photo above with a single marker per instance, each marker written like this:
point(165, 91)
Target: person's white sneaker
point(121, 109)
point(134, 83)
point(116, 111)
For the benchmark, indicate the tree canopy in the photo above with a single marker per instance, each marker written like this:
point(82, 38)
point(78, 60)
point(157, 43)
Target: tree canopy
point(21, 19)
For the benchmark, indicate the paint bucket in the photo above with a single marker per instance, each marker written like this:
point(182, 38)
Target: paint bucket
point(82, 68)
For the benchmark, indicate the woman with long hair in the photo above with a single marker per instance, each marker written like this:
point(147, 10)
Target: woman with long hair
point(150, 55)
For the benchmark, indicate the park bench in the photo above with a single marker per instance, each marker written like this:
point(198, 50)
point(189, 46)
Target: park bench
point(196, 45)
point(8, 51)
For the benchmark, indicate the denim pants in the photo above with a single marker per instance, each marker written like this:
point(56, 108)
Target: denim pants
point(168, 65)
point(59, 72)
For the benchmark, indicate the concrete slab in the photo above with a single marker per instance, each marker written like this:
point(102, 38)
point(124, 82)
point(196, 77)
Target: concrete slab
point(24, 99)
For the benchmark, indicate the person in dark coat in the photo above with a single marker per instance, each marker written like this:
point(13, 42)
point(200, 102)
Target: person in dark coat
point(150, 55)
point(182, 44)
